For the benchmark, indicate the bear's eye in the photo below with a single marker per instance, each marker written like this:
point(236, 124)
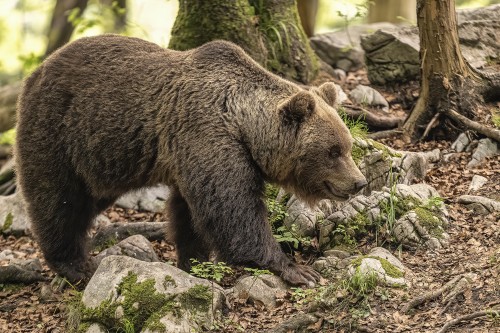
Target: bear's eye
point(334, 152)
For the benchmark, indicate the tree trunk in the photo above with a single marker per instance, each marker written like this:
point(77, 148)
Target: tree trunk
point(308, 10)
point(269, 31)
point(61, 29)
point(448, 83)
point(395, 11)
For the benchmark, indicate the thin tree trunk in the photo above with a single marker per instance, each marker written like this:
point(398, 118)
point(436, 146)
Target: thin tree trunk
point(395, 11)
point(308, 10)
point(269, 31)
point(61, 29)
point(447, 80)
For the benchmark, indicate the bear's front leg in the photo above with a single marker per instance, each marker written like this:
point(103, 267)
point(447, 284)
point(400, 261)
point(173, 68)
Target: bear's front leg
point(227, 208)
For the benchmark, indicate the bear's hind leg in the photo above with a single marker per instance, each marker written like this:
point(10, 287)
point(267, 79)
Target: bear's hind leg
point(61, 221)
point(189, 245)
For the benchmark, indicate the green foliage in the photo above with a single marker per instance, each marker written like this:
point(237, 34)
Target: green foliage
point(30, 62)
point(97, 14)
point(357, 127)
point(361, 284)
point(210, 270)
point(142, 308)
point(8, 137)
point(257, 272)
point(284, 234)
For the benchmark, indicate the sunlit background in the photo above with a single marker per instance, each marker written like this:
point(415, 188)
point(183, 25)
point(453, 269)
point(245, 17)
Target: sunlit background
point(24, 24)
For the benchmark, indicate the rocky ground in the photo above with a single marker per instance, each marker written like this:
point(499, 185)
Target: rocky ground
point(454, 273)
point(473, 251)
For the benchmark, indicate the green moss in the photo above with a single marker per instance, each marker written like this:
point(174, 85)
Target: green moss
point(198, 298)
point(430, 221)
point(9, 219)
point(389, 268)
point(141, 305)
point(169, 282)
point(358, 153)
point(107, 244)
point(386, 152)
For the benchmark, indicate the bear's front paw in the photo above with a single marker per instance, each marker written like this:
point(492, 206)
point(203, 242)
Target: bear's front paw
point(300, 275)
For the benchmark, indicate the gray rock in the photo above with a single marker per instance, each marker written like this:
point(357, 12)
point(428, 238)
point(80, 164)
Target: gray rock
point(96, 328)
point(151, 199)
point(478, 14)
point(13, 216)
point(341, 49)
point(477, 182)
point(302, 216)
point(461, 143)
point(480, 204)
point(409, 229)
point(9, 254)
point(262, 289)
point(168, 280)
point(339, 74)
point(412, 231)
point(391, 271)
point(368, 96)
point(341, 95)
point(136, 246)
point(337, 253)
point(392, 53)
point(33, 264)
point(485, 148)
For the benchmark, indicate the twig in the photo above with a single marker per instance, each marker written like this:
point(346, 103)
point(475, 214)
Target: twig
point(466, 317)
point(372, 119)
point(485, 130)
point(119, 231)
point(430, 126)
point(430, 295)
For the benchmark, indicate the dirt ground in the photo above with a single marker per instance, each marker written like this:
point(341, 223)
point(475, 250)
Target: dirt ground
point(474, 248)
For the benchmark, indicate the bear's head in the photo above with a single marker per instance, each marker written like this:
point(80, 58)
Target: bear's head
point(321, 162)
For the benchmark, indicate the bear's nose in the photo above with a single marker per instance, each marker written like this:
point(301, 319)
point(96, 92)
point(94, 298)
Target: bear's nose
point(360, 184)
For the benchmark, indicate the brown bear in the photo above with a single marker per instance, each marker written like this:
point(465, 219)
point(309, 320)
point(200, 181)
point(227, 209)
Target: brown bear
point(108, 114)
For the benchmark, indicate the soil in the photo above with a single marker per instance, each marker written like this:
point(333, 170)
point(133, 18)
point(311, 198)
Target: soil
point(474, 248)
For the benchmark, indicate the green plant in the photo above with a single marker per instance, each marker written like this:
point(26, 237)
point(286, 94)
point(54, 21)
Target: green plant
point(290, 235)
point(209, 270)
point(357, 126)
point(361, 284)
point(361, 11)
point(8, 137)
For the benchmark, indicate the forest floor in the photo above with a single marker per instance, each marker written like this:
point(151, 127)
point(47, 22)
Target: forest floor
point(474, 247)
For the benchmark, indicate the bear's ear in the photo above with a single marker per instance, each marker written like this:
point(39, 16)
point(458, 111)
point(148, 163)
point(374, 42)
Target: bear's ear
point(328, 91)
point(298, 107)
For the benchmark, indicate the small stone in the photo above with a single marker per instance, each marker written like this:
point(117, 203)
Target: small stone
point(119, 312)
point(337, 253)
point(46, 293)
point(339, 74)
point(368, 96)
point(96, 328)
point(477, 182)
point(262, 288)
point(136, 246)
point(480, 204)
point(485, 148)
point(461, 143)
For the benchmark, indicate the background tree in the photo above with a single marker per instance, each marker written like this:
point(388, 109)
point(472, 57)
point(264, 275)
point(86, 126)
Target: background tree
point(395, 11)
point(61, 28)
point(450, 89)
point(269, 31)
point(308, 11)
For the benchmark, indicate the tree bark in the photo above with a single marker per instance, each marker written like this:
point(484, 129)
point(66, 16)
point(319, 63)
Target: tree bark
point(308, 10)
point(448, 82)
point(269, 31)
point(61, 29)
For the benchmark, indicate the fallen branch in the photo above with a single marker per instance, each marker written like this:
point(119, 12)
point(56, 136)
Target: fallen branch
point(431, 295)
point(116, 232)
point(385, 134)
point(473, 125)
point(372, 119)
point(467, 317)
point(19, 274)
point(430, 126)
point(294, 324)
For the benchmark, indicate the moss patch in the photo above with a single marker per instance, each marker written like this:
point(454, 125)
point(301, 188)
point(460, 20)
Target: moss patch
point(9, 219)
point(389, 268)
point(430, 221)
point(198, 298)
point(140, 306)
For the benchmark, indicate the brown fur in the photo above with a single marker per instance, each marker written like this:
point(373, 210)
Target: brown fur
point(108, 114)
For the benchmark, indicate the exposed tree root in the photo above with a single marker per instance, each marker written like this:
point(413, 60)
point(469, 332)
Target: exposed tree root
point(468, 317)
point(119, 231)
point(372, 119)
point(385, 134)
point(473, 125)
point(432, 294)
point(19, 274)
